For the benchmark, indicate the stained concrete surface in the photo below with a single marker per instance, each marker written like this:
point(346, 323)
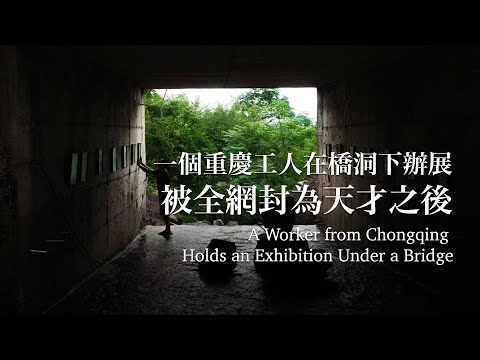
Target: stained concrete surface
point(150, 278)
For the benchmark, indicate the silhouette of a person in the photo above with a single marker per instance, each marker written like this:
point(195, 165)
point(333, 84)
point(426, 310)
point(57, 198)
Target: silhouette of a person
point(163, 178)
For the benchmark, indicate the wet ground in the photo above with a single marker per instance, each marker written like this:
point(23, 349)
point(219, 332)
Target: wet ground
point(149, 277)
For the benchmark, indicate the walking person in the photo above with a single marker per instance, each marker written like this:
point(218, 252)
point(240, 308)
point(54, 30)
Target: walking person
point(163, 178)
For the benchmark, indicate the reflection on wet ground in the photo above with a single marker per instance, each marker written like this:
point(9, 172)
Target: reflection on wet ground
point(151, 278)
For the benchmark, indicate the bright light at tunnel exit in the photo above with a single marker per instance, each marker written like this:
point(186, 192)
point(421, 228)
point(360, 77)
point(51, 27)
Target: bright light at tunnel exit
point(302, 100)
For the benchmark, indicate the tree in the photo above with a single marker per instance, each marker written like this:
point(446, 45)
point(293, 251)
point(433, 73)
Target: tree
point(267, 103)
point(259, 121)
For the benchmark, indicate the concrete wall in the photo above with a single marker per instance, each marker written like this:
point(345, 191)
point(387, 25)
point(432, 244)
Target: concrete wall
point(421, 106)
point(53, 106)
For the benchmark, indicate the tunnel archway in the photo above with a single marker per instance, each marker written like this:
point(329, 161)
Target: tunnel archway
point(61, 101)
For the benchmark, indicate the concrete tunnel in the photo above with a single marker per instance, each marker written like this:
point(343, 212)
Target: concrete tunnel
point(57, 101)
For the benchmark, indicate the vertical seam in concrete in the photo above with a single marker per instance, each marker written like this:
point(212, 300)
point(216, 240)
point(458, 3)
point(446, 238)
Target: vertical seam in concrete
point(108, 175)
point(320, 142)
point(129, 150)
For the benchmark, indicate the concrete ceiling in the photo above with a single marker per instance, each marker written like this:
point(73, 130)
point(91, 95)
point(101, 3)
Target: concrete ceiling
point(243, 66)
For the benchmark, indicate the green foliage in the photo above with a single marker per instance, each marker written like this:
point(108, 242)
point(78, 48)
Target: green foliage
point(259, 121)
point(265, 103)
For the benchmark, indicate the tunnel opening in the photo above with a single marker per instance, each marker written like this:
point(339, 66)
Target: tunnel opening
point(223, 130)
